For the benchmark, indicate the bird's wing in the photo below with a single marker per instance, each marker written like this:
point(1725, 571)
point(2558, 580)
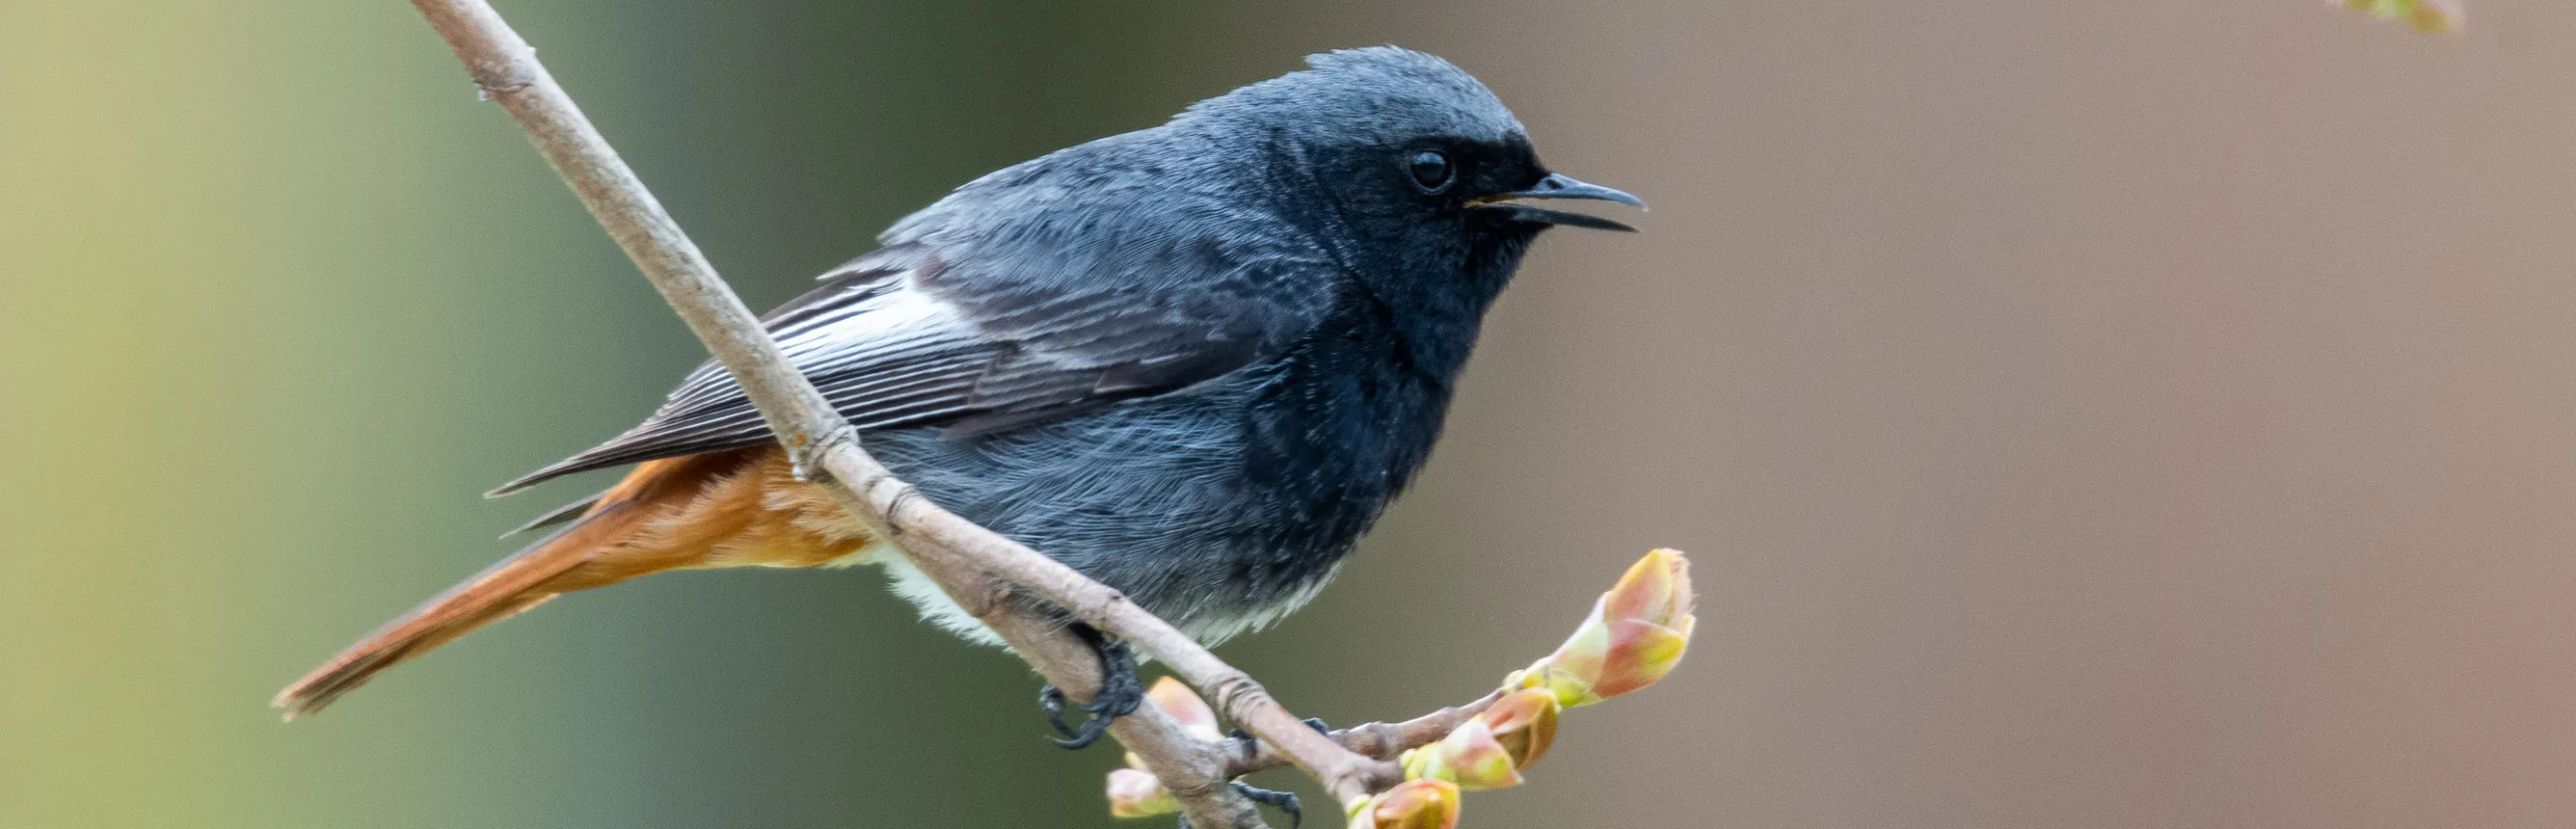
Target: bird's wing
point(989, 332)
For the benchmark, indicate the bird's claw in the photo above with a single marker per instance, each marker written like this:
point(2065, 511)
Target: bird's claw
point(1120, 693)
point(1285, 802)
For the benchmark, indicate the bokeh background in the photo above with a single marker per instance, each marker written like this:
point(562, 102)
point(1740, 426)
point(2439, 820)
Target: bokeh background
point(2101, 414)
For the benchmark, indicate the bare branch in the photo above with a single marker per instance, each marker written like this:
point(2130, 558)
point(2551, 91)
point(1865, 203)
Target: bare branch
point(1380, 740)
point(955, 552)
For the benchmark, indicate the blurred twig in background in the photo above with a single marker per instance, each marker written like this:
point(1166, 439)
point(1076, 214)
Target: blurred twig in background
point(1636, 632)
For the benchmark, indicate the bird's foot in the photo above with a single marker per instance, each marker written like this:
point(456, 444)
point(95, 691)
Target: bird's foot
point(1285, 802)
point(1120, 693)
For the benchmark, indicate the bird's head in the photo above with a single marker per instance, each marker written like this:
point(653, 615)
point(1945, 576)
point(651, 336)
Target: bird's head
point(1417, 166)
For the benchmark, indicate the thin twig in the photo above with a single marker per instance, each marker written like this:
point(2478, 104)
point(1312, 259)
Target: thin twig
point(954, 551)
point(1380, 740)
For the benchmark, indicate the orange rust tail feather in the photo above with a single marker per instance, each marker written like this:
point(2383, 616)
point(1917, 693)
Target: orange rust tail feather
point(725, 509)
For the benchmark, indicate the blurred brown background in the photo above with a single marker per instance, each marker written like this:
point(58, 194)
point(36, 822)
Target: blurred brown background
point(2113, 414)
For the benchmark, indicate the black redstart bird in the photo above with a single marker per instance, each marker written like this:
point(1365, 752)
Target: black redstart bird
point(1194, 362)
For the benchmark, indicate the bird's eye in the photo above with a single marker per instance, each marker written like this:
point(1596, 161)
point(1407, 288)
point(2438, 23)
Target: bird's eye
point(1430, 169)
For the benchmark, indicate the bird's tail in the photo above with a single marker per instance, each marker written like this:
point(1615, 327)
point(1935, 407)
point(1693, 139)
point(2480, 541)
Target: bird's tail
point(725, 509)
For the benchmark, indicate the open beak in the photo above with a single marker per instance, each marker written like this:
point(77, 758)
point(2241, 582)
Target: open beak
point(1558, 186)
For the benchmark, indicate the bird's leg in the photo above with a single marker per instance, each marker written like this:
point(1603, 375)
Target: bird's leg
point(1120, 692)
point(1283, 801)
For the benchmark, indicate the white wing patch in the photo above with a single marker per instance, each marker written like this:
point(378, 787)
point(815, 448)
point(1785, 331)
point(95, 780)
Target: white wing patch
point(883, 351)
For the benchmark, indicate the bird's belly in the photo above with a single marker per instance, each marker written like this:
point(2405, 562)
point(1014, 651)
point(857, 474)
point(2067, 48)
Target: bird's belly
point(1210, 627)
point(1157, 501)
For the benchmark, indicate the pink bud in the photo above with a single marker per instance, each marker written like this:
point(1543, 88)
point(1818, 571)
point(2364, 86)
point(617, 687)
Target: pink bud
point(1134, 793)
point(1635, 635)
point(1175, 698)
point(1524, 722)
point(1413, 804)
point(1469, 757)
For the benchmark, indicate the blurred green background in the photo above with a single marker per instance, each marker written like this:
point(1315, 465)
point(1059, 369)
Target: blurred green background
point(2143, 414)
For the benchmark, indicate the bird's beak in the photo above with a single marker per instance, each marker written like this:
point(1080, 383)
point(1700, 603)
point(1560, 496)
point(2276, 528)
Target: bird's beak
point(1559, 186)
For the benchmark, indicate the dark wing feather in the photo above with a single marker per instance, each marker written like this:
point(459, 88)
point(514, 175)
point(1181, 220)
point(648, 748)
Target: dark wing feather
point(983, 324)
point(557, 515)
point(876, 350)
